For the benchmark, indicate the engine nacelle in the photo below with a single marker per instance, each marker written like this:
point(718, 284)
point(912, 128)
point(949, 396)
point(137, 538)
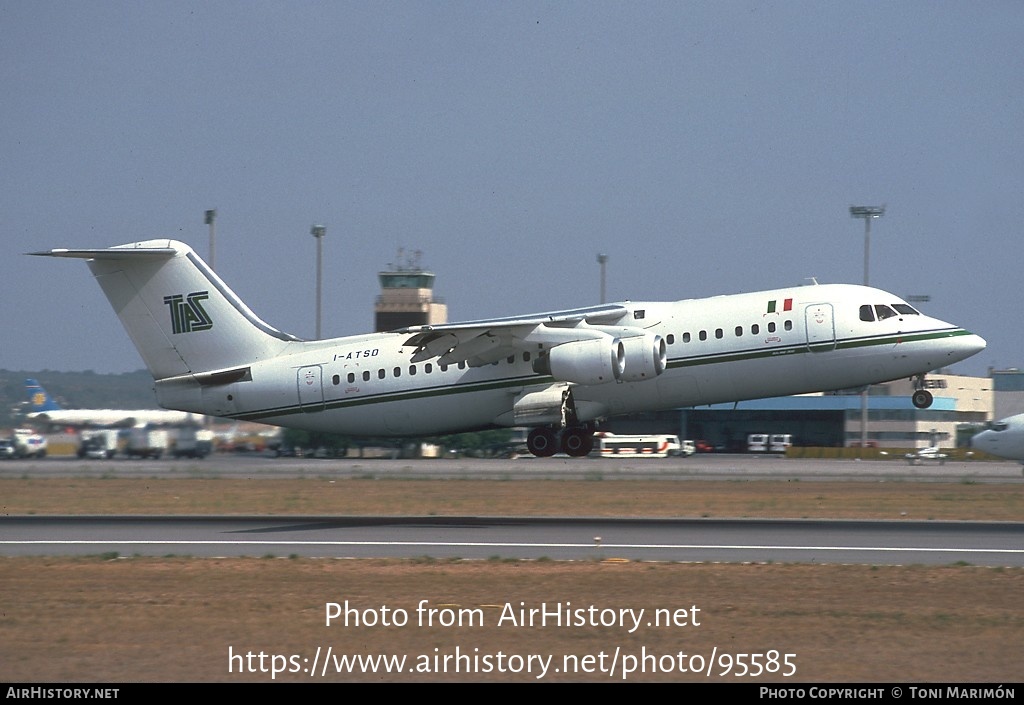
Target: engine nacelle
point(595, 361)
point(646, 357)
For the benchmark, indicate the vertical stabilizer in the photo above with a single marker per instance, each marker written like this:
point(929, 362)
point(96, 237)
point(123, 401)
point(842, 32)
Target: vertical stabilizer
point(38, 399)
point(182, 318)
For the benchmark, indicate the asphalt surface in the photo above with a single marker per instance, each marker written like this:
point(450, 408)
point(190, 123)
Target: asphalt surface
point(696, 467)
point(799, 541)
point(788, 541)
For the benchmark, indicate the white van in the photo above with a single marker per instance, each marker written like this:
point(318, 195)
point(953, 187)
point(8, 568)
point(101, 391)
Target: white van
point(764, 443)
point(757, 443)
point(779, 442)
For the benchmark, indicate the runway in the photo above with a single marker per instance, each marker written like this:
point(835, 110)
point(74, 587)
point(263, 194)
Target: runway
point(555, 538)
point(693, 540)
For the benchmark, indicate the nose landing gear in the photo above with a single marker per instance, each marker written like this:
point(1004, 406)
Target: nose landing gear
point(921, 398)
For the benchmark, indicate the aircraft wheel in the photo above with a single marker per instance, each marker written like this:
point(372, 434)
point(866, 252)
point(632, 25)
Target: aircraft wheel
point(922, 399)
point(542, 442)
point(577, 442)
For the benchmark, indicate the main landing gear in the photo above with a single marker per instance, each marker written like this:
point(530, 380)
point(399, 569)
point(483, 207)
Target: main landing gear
point(575, 441)
point(921, 398)
point(567, 434)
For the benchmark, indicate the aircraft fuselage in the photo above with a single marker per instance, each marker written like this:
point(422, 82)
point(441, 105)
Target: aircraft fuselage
point(720, 349)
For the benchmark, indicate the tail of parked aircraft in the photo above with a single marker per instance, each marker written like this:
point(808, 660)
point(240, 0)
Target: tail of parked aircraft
point(182, 318)
point(38, 399)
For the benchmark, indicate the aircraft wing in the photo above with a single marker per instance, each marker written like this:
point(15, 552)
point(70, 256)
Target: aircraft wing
point(485, 341)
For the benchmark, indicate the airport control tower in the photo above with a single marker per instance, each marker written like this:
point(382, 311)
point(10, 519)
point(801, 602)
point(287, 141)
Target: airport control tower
point(407, 296)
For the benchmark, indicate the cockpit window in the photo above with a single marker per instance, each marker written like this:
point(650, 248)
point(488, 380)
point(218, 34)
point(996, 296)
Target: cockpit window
point(867, 313)
point(906, 310)
point(884, 312)
point(998, 426)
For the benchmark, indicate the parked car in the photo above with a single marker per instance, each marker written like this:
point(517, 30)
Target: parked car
point(7, 449)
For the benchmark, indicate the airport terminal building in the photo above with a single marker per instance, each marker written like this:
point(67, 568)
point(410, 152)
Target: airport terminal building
point(890, 420)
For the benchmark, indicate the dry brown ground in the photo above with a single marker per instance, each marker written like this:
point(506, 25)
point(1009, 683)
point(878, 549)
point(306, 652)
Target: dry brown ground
point(629, 498)
point(175, 619)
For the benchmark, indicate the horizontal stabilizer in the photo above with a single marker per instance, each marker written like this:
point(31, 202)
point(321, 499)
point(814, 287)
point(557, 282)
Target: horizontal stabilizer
point(109, 253)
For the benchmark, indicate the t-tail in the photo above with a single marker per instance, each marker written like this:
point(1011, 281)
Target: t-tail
point(38, 399)
point(182, 318)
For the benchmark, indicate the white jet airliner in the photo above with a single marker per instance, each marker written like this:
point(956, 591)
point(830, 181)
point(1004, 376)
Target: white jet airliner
point(1004, 438)
point(43, 409)
point(559, 373)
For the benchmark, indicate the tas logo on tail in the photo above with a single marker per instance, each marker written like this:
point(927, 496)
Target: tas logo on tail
point(187, 313)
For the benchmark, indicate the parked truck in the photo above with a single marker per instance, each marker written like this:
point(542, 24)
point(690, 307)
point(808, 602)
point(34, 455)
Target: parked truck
point(146, 442)
point(192, 442)
point(100, 444)
point(28, 443)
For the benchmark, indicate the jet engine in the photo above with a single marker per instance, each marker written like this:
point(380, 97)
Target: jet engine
point(646, 357)
point(594, 361)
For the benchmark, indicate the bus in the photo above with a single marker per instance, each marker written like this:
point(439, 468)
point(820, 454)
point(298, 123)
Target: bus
point(611, 445)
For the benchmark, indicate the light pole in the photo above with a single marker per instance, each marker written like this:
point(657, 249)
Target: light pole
point(601, 260)
point(211, 215)
point(868, 213)
point(318, 231)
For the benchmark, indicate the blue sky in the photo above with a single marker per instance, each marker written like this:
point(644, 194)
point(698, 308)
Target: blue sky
point(705, 147)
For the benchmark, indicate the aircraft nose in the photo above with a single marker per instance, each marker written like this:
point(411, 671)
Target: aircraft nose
point(979, 441)
point(966, 345)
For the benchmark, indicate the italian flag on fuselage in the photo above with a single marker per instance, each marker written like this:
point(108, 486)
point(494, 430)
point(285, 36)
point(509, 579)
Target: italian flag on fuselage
point(787, 305)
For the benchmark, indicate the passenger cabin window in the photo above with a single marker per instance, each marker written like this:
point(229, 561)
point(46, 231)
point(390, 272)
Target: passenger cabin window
point(739, 331)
